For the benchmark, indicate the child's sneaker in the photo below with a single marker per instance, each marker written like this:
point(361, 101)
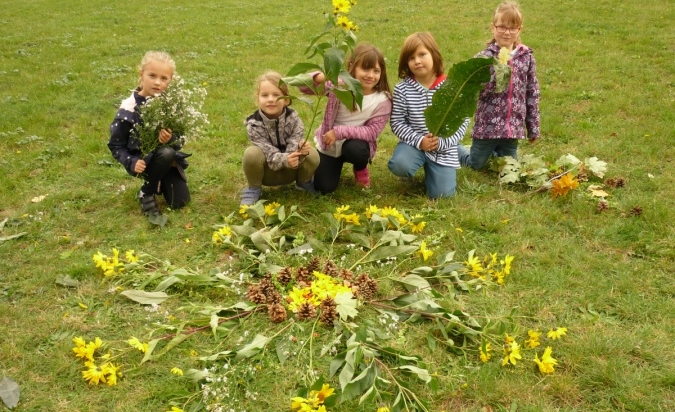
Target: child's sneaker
point(148, 204)
point(362, 177)
point(250, 195)
point(307, 187)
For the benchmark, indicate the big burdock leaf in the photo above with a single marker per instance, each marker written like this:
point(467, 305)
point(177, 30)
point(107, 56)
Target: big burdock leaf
point(456, 99)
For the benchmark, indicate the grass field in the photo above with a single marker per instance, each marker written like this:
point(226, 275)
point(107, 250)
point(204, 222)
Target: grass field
point(607, 90)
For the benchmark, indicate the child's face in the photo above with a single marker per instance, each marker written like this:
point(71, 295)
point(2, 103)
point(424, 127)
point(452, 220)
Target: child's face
point(504, 34)
point(155, 78)
point(268, 99)
point(421, 64)
point(369, 78)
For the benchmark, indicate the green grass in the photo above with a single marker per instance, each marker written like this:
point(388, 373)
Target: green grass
point(606, 76)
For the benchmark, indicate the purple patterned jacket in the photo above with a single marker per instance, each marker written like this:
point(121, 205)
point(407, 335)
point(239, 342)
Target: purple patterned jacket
point(506, 115)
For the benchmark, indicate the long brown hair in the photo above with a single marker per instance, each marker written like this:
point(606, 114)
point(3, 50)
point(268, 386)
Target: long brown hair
point(367, 56)
point(411, 44)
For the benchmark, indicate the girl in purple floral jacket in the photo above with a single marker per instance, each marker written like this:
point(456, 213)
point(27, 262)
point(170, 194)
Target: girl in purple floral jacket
point(503, 118)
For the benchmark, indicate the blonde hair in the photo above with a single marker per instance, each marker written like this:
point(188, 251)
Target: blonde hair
point(367, 56)
point(274, 78)
point(411, 44)
point(508, 13)
point(155, 56)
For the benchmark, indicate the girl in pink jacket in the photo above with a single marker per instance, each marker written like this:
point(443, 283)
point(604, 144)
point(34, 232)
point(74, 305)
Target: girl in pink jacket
point(348, 134)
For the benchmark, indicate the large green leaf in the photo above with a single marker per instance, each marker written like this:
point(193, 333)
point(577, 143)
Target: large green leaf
point(145, 298)
point(456, 99)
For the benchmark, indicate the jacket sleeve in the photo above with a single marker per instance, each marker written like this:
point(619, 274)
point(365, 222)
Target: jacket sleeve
point(120, 133)
point(399, 119)
point(371, 129)
point(276, 160)
point(532, 102)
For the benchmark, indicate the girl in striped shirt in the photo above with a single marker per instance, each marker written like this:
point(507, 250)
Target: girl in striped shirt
point(421, 68)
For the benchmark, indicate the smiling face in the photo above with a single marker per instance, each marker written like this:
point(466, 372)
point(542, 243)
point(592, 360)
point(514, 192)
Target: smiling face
point(505, 33)
point(155, 78)
point(269, 99)
point(369, 78)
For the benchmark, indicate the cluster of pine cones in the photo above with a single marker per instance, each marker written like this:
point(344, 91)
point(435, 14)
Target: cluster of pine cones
point(267, 291)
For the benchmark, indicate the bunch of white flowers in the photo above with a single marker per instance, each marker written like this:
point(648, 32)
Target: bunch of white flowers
point(178, 108)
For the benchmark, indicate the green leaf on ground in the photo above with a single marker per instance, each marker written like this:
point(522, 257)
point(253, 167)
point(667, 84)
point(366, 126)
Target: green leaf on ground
point(158, 220)
point(145, 298)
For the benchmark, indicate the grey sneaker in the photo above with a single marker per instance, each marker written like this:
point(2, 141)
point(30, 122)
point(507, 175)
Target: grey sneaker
point(148, 205)
point(250, 195)
point(307, 187)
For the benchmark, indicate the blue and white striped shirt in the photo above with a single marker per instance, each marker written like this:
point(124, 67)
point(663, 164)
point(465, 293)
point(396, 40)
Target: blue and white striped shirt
point(408, 124)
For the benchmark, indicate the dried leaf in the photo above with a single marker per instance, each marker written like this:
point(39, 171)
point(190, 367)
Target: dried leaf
point(9, 392)
point(596, 190)
point(38, 199)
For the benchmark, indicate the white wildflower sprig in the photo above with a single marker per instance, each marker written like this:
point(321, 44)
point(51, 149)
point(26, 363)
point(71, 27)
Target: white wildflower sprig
point(178, 108)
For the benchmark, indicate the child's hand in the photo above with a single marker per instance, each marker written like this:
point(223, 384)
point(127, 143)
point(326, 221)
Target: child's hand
point(304, 150)
point(294, 160)
point(429, 143)
point(164, 135)
point(139, 167)
point(319, 78)
point(329, 138)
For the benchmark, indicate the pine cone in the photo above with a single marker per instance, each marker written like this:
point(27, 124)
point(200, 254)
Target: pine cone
point(267, 286)
point(302, 275)
point(274, 298)
point(277, 312)
point(328, 311)
point(582, 176)
point(313, 265)
point(331, 269)
point(346, 274)
point(615, 182)
point(602, 206)
point(285, 275)
point(306, 311)
point(255, 295)
point(636, 211)
point(364, 287)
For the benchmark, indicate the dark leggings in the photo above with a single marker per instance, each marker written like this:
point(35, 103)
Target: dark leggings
point(163, 176)
point(327, 175)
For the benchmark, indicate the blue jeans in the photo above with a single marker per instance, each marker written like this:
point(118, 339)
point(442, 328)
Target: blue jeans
point(482, 149)
point(440, 181)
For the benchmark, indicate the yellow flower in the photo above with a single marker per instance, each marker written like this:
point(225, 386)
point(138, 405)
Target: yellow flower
point(383, 409)
point(93, 374)
point(353, 219)
point(507, 263)
point(563, 185)
point(341, 6)
point(216, 239)
point(111, 372)
point(424, 252)
point(511, 353)
point(297, 402)
point(79, 341)
point(131, 256)
point(134, 342)
point(547, 362)
point(486, 355)
point(177, 371)
point(338, 211)
point(474, 266)
point(555, 334)
point(344, 22)
point(533, 341)
point(242, 211)
point(324, 393)
point(175, 409)
point(271, 209)
point(417, 227)
point(82, 305)
point(504, 55)
point(99, 258)
point(371, 210)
